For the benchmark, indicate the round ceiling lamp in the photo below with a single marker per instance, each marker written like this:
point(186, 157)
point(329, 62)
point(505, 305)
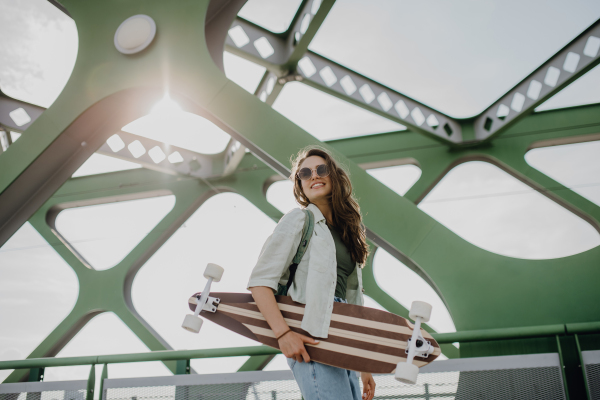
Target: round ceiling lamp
point(135, 34)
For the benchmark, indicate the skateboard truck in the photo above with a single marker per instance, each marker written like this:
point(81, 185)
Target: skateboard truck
point(193, 323)
point(211, 303)
point(417, 345)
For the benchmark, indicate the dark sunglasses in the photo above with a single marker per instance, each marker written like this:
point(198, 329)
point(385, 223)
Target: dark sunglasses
point(306, 173)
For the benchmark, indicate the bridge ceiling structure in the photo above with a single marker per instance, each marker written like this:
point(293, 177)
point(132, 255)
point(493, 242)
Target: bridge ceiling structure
point(108, 89)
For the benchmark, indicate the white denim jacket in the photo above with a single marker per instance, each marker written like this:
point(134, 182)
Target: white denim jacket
point(316, 276)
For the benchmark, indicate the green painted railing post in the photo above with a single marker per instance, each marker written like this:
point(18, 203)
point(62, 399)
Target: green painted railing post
point(91, 383)
point(582, 365)
point(562, 367)
point(102, 378)
point(183, 367)
point(36, 374)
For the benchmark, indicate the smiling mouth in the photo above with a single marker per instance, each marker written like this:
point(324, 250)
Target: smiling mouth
point(317, 185)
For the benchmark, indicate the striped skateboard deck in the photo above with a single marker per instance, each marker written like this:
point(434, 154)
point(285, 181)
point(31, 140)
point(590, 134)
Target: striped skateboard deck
point(360, 338)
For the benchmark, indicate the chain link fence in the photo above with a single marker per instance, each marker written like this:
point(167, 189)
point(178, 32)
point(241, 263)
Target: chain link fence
point(591, 362)
point(64, 390)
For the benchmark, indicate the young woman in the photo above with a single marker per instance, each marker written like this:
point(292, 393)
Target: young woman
point(329, 271)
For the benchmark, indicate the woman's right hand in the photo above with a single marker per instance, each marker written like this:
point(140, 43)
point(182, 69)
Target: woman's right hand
point(292, 346)
point(291, 343)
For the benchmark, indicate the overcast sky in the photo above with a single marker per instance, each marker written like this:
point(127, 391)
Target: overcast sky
point(457, 57)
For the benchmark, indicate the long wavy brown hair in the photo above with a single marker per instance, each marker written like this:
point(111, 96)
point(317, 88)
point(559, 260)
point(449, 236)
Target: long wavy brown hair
point(345, 209)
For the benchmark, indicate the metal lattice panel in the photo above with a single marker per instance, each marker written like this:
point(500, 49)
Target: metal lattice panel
point(526, 384)
point(528, 377)
point(66, 390)
point(241, 385)
point(593, 377)
point(232, 391)
point(591, 361)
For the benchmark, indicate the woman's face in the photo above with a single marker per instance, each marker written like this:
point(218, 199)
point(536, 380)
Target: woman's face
point(316, 189)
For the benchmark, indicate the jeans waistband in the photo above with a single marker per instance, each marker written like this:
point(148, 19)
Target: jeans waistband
point(339, 300)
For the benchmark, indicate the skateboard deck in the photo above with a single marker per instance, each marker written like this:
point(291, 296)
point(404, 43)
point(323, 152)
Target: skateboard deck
point(359, 338)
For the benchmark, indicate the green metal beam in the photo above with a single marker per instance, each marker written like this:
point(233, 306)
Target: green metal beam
point(433, 249)
point(172, 355)
point(394, 105)
point(301, 47)
point(256, 363)
point(567, 65)
point(110, 290)
point(578, 124)
point(82, 189)
point(136, 181)
point(167, 355)
point(373, 290)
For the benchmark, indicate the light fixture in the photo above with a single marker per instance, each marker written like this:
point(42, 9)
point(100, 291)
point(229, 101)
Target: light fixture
point(135, 34)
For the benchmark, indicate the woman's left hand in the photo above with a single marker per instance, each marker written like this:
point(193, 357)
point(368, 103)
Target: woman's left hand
point(368, 385)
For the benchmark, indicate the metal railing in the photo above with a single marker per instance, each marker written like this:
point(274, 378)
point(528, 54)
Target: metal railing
point(184, 356)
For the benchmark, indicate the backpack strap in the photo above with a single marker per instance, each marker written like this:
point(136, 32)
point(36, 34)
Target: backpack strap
point(307, 231)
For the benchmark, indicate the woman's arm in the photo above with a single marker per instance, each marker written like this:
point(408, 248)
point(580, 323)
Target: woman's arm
point(368, 385)
point(278, 251)
point(291, 343)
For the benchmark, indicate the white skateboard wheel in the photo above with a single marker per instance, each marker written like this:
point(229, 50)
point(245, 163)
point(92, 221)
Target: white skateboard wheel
point(420, 309)
point(192, 323)
point(213, 271)
point(406, 373)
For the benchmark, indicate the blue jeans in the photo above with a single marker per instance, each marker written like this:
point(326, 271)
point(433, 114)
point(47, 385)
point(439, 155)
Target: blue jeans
point(323, 382)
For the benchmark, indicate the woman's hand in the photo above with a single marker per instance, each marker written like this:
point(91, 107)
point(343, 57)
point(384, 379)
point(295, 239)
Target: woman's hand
point(368, 385)
point(291, 343)
point(292, 346)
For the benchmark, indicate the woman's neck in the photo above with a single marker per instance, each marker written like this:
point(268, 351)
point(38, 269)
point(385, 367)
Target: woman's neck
point(325, 209)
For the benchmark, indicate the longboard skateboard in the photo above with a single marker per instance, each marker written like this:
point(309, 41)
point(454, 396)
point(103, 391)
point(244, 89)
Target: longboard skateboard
point(359, 338)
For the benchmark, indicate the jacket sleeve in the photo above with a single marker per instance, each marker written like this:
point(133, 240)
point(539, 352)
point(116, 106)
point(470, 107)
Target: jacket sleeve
point(278, 251)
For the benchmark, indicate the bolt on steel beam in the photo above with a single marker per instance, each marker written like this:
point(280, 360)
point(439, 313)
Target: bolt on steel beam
point(568, 64)
point(366, 93)
point(270, 86)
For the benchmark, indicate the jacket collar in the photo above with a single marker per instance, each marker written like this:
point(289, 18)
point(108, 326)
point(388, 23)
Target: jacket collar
point(316, 212)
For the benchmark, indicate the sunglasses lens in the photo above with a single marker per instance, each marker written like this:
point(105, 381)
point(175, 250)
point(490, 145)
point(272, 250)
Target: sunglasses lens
point(322, 170)
point(305, 173)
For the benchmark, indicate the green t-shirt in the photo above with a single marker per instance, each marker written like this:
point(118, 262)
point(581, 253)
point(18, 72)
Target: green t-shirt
point(345, 266)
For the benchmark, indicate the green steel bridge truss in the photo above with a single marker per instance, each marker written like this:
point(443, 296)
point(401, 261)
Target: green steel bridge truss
point(107, 90)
